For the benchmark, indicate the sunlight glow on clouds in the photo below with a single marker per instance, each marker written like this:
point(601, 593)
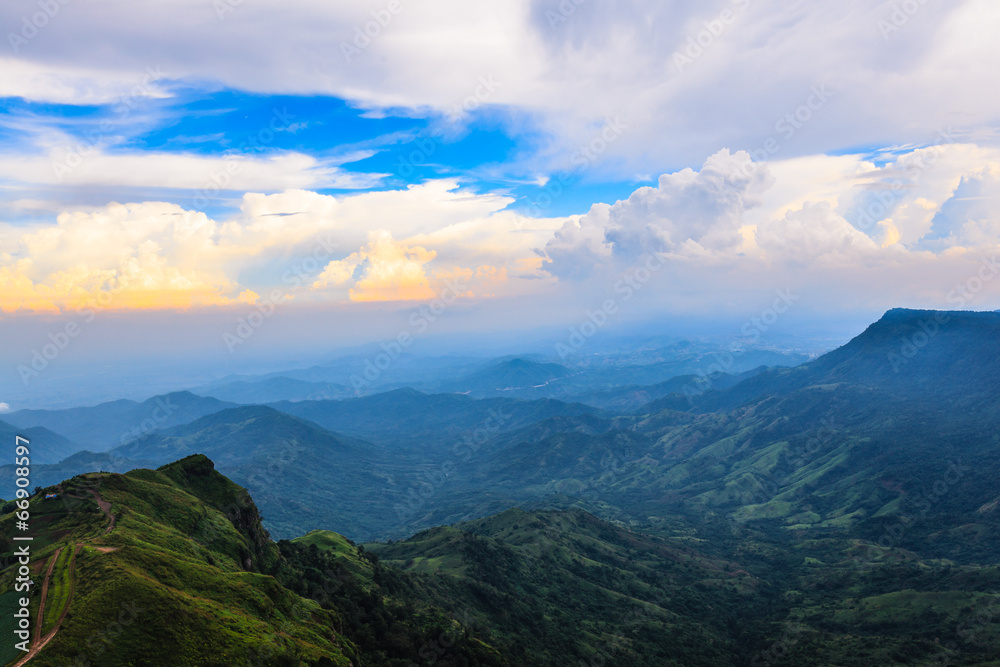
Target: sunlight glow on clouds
point(160, 255)
point(916, 210)
point(218, 222)
point(388, 271)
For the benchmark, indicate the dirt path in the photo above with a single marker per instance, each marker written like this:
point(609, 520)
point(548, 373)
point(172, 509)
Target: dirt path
point(38, 643)
point(106, 508)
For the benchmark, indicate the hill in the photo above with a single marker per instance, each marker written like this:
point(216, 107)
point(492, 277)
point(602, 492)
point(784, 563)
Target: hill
point(184, 574)
point(302, 475)
point(48, 447)
point(559, 588)
point(926, 356)
point(514, 377)
point(102, 427)
point(408, 419)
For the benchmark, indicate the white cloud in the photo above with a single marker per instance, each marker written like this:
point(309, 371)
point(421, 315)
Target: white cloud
point(732, 227)
point(688, 213)
point(384, 271)
point(4, 407)
point(602, 60)
point(69, 83)
point(161, 255)
point(205, 175)
point(810, 233)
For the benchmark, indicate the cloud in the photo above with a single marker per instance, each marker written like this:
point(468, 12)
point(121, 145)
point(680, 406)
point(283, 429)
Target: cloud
point(155, 255)
point(206, 176)
point(382, 271)
point(733, 227)
point(560, 70)
point(811, 233)
point(4, 407)
point(68, 83)
point(142, 255)
point(688, 213)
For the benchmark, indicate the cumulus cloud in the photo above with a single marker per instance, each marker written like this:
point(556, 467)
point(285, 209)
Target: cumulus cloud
point(382, 271)
point(735, 226)
point(143, 255)
point(161, 255)
point(810, 233)
point(688, 213)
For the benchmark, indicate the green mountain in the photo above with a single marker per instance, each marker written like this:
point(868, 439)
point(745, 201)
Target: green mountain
point(302, 476)
point(173, 566)
point(184, 574)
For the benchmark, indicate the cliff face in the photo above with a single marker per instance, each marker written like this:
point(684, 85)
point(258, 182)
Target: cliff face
point(197, 475)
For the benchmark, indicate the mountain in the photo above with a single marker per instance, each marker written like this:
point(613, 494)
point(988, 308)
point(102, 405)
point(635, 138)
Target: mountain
point(173, 567)
point(843, 444)
point(411, 419)
point(302, 475)
point(633, 397)
point(45, 446)
point(510, 378)
point(177, 561)
point(845, 512)
point(927, 356)
point(273, 389)
point(101, 427)
point(560, 588)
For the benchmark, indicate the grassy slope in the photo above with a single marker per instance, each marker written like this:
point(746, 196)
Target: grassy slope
point(188, 576)
point(530, 577)
point(163, 597)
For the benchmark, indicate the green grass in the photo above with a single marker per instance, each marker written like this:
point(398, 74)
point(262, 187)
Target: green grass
point(8, 605)
point(60, 586)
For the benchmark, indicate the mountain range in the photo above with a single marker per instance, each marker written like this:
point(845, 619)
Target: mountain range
point(843, 511)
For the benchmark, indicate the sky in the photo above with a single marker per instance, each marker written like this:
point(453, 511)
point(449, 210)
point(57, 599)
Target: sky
point(248, 179)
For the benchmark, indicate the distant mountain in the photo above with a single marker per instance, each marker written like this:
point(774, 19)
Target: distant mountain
point(76, 464)
point(431, 422)
point(45, 446)
point(508, 378)
point(102, 427)
point(406, 370)
point(273, 389)
point(848, 442)
point(697, 360)
point(633, 397)
point(923, 355)
point(301, 474)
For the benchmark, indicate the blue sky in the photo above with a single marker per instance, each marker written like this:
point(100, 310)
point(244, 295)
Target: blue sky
point(393, 148)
